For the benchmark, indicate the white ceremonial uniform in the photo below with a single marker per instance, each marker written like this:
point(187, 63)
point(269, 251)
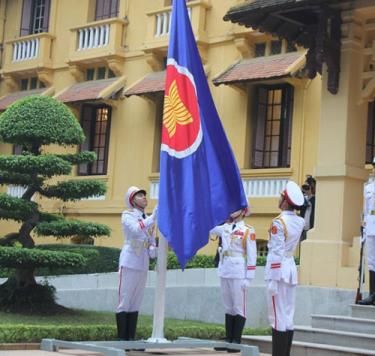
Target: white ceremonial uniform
point(285, 232)
point(237, 263)
point(135, 256)
point(369, 219)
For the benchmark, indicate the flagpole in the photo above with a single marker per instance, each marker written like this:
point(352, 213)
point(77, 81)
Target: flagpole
point(159, 301)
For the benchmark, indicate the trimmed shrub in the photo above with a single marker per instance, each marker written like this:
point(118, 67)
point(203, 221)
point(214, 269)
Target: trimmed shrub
point(13, 257)
point(98, 259)
point(35, 333)
point(101, 259)
point(31, 298)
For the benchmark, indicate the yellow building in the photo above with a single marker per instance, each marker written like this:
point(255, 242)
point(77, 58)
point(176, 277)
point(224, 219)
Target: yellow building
point(105, 59)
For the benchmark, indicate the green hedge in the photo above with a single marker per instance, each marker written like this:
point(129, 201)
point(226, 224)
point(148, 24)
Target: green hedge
point(105, 259)
point(35, 333)
point(69, 228)
point(98, 259)
point(14, 257)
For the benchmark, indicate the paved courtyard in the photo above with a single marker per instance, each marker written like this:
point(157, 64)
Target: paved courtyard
point(170, 352)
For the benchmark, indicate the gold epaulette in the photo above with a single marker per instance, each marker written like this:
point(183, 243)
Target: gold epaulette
point(279, 218)
point(244, 240)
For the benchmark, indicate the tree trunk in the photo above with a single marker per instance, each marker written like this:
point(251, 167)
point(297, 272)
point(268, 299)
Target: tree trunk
point(23, 277)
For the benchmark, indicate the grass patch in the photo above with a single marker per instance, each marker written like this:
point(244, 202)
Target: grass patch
point(90, 325)
point(78, 317)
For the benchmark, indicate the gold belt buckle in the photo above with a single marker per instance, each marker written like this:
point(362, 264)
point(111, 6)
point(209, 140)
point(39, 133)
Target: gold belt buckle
point(372, 212)
point(145, 244)
point(226, 253)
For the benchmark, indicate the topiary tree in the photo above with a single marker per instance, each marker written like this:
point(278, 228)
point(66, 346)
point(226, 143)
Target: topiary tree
point(35, 123)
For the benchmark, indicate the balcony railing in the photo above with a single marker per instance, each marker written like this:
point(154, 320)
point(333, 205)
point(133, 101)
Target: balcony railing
point(16, 191)
point(163, 22)
point(264, 188)
point(97, 40)
point(28, 53)
point(254, 188)
point(93, 37)
point(25, 50)
point(159, 23)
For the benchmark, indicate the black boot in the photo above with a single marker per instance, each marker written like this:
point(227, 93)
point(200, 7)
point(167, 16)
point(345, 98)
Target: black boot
point(132, 327)
point(122, 329)
point(279, 342)
point(229, 320)
point(290, 340)
point(239, 323)
point(370, 300)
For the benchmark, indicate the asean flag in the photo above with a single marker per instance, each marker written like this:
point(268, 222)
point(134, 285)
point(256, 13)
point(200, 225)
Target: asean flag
point(200, 184)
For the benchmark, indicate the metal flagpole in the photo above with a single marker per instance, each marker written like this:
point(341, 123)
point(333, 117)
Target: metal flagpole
point(159, 301)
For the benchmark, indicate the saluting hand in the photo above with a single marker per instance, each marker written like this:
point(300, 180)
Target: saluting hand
point(245, 283)
point(155, 213)
point(273, 287)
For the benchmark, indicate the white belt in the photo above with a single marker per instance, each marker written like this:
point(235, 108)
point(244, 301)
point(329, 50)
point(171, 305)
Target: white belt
point(233, 254)
point(289, 254)
point(137, 245)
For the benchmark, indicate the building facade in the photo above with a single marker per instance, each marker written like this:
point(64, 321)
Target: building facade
point(106, 59)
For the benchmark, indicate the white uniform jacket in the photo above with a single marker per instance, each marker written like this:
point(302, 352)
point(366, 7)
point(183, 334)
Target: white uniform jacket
point(238, 252)
point(369, 207)
point(139, 240)
point(284, 235)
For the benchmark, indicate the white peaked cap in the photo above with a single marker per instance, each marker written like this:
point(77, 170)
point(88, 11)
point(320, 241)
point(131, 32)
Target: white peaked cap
point(293, 194)
point(132, 191)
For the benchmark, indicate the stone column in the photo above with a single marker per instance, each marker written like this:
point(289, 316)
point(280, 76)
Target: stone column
point(340, 170)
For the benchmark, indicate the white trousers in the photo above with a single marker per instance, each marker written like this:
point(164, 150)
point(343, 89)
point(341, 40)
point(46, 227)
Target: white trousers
point(233, 296)
point(281, 307)
point(370, 242)
point(131, 289)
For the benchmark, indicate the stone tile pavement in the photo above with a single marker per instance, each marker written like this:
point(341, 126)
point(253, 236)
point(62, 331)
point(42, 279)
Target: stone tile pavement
point(170, 352)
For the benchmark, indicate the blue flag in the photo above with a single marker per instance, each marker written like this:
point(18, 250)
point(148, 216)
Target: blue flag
point(200, 184)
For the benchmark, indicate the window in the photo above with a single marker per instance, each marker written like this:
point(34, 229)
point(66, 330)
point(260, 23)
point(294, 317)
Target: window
point(159, 105)
point(165, 60)
point(272, 126)
point(96, 122)
point(99, 73)
point(262, 249)
point(275, 47)
point(106, 9)
point(30, 84)
point(370, 139)
point(17, 150)
point(33, 83)
point(260, 49)
point(90, 74)
point(24, 85)
point(35, 16)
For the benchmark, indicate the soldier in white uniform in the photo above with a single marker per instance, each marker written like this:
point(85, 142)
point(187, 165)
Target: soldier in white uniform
point(369, 233)
point(139, 246)
point(281, 271)
point(236, 270)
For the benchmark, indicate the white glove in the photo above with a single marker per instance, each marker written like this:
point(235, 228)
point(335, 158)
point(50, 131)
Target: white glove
point(245, 283)
point(273, 287)
point(155, 213)
point(152, 251)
